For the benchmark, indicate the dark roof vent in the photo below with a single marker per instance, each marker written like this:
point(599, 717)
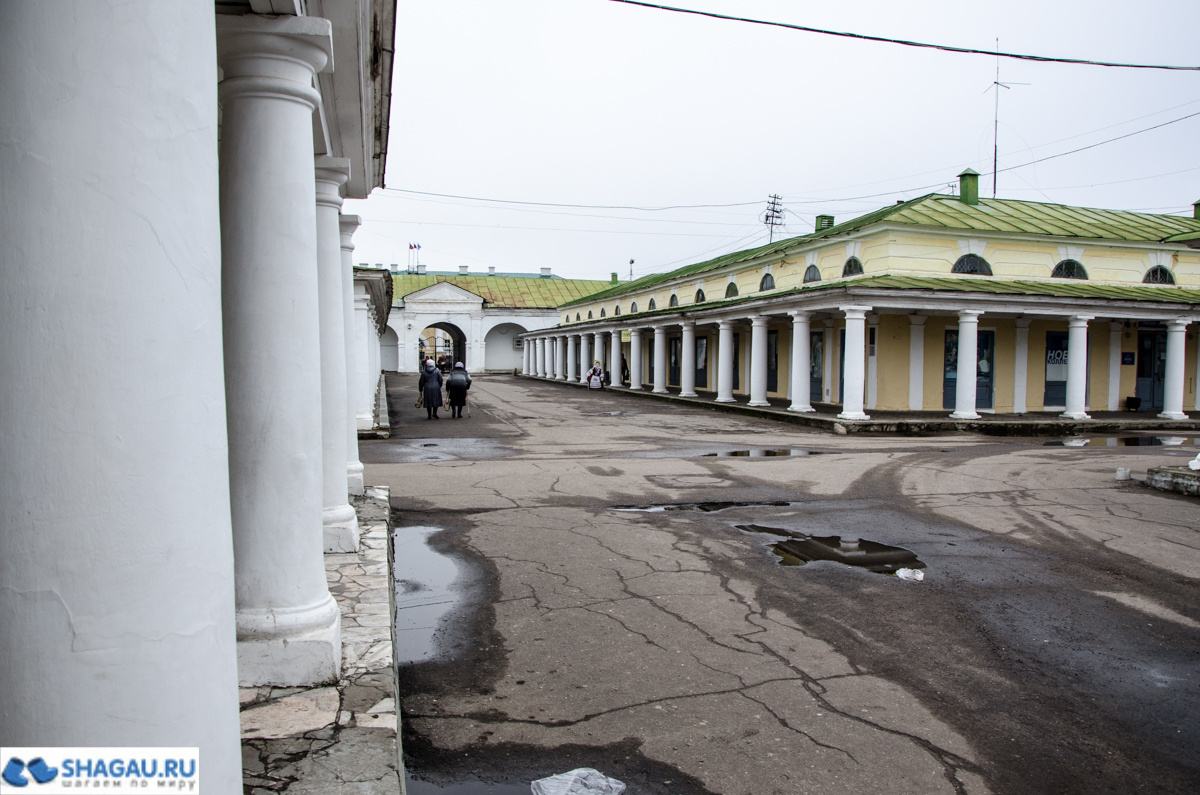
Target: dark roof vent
point(1196, 209)
point(824, 222)
point(968, 186)
point(614, 279)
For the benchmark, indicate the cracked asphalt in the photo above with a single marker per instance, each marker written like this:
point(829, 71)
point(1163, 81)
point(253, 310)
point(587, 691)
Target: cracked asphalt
point(1053, 646)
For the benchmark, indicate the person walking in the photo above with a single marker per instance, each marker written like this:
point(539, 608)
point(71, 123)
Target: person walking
point(595, 376)
point(430, 387)
point(457, 385)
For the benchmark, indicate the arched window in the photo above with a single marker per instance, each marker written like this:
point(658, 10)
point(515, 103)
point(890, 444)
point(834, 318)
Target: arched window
point(589, 314)
point(576, 315)
point(567, 318)
point(633, 306)
point(617, 309)
point(972, 263)
point(731, 290)
point(767, 283)
point(812, 274)
point(852, 267)
point(602, 312)
point(674, 300)
point(651, 307)
point(700, 296)
point(1069, 269)
point(1159, 275)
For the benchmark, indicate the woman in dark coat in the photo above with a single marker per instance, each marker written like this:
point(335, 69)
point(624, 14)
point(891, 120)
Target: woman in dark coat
point(457, 385)
point(431, 389)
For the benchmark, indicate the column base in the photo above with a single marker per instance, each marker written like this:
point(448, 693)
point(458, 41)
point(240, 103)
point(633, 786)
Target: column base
point(688, 394)
point(724, 400)
point(281, 648)
point(1076, 415)
point(965, 416)
point(758, 403)
point(340, 524)
point(657, 391)
point(365, 421)
point(1173, 415)
point(802, 409)
point(853, 415)
point(354, 478)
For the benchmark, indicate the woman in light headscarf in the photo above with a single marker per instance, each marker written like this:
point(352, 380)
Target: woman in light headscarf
point(430, 387)
point(457, 384)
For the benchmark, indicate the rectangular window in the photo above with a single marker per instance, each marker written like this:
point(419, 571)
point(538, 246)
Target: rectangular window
point(702, 362)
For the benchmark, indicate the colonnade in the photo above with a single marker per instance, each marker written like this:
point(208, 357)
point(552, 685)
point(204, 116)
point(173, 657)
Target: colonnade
point(857, 375)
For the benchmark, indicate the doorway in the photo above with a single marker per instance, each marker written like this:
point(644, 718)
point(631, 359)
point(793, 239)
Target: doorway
point(772, 361)
point(816, 366)
point(674, 355)
point(1151, 367)
point(985, 369)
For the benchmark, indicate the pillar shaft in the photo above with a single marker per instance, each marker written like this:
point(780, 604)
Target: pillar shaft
point(916, 362)
point(687, 364)
point(725, 361)
point(635, 358)
point(801, 363)
point(1173, 378)
point(965, 388)
point(598, 347)
point(585, 356)
point(338, 518)
point(853, 358)
point(288, 623)
point(1114, 364)
point(660, 359)
point(572, 352)
point(1021, 366)
point(561, 365)
point(1077, 367)
point(758, 361)
point(115, 552)
point(348, 224)
point(614, 356)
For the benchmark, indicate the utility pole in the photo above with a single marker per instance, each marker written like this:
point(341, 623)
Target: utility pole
point(630, 270)
point(773, 217)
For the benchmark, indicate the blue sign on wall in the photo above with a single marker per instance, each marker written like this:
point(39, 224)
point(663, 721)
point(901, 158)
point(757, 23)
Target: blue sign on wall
point(1127, 357)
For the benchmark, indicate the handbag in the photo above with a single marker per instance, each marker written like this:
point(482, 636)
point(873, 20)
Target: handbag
point(420, 401)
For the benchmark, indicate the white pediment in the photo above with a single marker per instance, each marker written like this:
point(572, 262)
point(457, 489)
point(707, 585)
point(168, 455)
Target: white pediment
point(443, 293)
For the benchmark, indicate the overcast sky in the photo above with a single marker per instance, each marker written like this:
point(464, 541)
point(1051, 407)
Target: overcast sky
point(593, 102)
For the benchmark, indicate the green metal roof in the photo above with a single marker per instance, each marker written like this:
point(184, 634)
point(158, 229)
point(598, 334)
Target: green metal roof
point(508, 292)
point(936, 211)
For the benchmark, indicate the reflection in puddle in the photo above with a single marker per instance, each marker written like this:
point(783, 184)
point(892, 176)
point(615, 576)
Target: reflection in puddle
point(1122, 441)
point(424, 592)
point(797, 549)
point(760, 453)
point(418, 787)
point(705, 507)
point(614, 413)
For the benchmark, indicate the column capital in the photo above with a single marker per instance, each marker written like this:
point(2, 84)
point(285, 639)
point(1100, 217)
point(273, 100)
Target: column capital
point(1079, 320)
point(969, 314)
point(331, 174)
point(348, 225)
point(799, 314)
point(917, 320)
point(687, 323)
point(854, 311)
point(758, 320)
point(273, 56)
point(1023, 322)
point(725, 324)
point(1179, 322)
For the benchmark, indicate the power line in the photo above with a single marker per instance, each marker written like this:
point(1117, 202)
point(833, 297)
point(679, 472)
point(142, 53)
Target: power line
point(579, 206)
point(906, 43)
point(1101, 143)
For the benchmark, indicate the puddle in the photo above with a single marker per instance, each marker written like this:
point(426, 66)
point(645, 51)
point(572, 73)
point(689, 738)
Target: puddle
point(705, 507)
point(614, 413)
point(425, 593)
point(760, 453)
point(418, 787)
point(1122, 441)
point(797, 549)
point(408, 451)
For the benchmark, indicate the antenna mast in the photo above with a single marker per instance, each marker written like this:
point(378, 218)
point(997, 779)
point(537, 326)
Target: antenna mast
point(773, 217)
point(997, 85)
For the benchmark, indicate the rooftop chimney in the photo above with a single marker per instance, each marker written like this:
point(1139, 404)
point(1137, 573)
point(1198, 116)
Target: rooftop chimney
point(462, 270)
point(421, 268)
point(491, 270)
point(824, 222)
point(545, 273)
point(1196, 209)
point(615, 280)
point(968, 186)
point(379, 265)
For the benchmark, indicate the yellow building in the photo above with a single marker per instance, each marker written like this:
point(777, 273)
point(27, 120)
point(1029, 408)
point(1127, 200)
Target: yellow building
point(940, 303)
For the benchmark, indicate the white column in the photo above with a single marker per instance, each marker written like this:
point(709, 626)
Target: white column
point(687, 364)
point(1173, 379)
point(364, 341)
point(660, 359)
point(872, 361)
point(635, 358)
point(1114, 365)
point(854, 358)
point(968, 347)
point(614, 356)
point(585, 356)
point(347, 225)
point(827, 348)
point(1021, 366)
point(561, 350)
point(725, 361)
point(1077, 364)
point(115, 556)
point(801, 363)
point(571, 357)
point(916, 362)
point(541, 357)
point(598, 348)
point(527, 346)
point(758, 361)
point(288, 623)
point(339, 519)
